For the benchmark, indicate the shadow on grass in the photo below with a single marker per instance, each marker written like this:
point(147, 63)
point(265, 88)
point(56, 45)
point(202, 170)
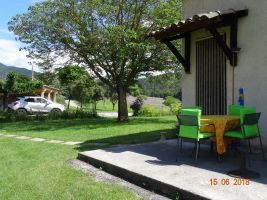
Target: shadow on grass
point(91, 123)
point(135, 138)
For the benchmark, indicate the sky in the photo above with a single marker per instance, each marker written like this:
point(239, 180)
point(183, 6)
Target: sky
point(9, 47)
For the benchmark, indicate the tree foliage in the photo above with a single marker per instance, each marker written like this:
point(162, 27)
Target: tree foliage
point(168, 84)
point(134, 90)
point(49, 78)
point(79, 85)
point(83, 89)
point(106, 36)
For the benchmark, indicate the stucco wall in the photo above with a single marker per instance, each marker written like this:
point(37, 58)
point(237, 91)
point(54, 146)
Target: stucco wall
point(251, 72)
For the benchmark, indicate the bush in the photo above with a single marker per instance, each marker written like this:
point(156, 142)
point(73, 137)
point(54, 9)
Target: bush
point(78, 114)
point(173, 103)
point(137, 105)
point(147, 112)
point(150, 111)
point(169, 100)
point(175, 108)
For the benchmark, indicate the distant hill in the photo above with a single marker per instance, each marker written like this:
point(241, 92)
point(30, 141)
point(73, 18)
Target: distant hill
point(161, 86)
point(4, 70)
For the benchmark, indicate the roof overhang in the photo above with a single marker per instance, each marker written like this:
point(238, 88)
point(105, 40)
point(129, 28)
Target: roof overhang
point(210, 21)
point(217, 18)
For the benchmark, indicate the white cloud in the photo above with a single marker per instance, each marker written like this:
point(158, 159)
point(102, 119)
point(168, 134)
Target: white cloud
point(10, 54)
point(6, 31)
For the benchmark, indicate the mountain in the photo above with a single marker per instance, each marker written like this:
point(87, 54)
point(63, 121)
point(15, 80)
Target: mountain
point(4, 70)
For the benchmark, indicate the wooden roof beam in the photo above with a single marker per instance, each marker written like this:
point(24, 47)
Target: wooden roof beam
point(222, 43)
point(185, 61)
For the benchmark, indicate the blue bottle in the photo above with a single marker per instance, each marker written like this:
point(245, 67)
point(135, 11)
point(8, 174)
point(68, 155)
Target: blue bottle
point(241, 97)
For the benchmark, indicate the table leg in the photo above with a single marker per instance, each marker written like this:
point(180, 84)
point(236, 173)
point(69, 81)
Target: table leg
point(242, 171)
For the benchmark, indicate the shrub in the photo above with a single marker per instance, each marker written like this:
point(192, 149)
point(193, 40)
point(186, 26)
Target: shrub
point(137, 105)
point(173, 103)
point(78, 114)
point(175, 108)
point(170, 100)
point(150, 111)
point(147, 112)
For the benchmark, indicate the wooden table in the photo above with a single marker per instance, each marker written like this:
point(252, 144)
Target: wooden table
point(221, 124)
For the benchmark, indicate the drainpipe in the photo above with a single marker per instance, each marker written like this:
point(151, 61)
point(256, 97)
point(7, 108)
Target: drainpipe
point(234, 53)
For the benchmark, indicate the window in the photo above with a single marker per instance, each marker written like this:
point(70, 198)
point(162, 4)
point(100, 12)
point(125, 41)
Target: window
point(40, 100)
point(30, 100)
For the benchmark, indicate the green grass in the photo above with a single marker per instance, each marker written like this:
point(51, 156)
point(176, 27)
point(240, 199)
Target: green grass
point(104, 106)
point(33, 171)
point(106, 130)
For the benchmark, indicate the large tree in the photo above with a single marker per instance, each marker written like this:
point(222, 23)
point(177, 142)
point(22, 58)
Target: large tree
point(107, 36)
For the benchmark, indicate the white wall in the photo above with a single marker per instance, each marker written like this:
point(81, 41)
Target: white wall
point(251, 72)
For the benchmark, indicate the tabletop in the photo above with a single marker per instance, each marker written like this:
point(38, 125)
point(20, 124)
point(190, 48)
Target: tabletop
point(221, 123)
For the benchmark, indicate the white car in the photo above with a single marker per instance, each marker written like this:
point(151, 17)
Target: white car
point(35, 104)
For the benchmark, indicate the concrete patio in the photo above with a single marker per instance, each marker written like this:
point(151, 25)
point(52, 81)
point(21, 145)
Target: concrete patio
point(153, 166)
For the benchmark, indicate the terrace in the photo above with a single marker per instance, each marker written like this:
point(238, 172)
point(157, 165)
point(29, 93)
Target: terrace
point(153, 166)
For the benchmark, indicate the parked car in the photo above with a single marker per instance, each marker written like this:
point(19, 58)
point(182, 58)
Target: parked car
point(35, 104)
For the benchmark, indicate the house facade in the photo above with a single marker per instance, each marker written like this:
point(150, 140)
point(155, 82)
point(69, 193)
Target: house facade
point(250, 72)
point(225, 54)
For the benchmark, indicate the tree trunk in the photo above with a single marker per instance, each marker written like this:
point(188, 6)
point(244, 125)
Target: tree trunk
point(95, 104)
point(113, 106)
point(69, 96)
point(69, 103)
point(122, 104)
point(81, 107)
point(5, 100)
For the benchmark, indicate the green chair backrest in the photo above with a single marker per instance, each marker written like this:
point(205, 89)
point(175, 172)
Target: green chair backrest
point(188, 130)
point(192, 107)
point(252, 129)
point(234, 110)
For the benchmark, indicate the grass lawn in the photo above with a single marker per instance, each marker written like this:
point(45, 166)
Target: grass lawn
point(105, 130)
point(31, 171)
point(104, 106)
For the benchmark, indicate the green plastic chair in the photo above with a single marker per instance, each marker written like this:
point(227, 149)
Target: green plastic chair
point(234, 110)
point(249, 127)
point(189, 123)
